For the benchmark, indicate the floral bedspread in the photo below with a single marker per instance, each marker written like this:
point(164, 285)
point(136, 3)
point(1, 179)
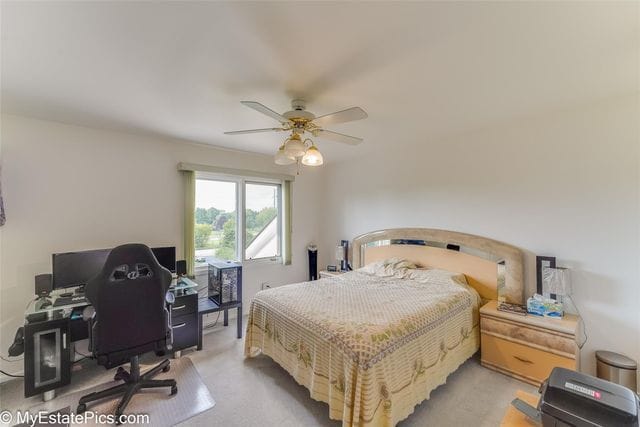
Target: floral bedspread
point(371, 344)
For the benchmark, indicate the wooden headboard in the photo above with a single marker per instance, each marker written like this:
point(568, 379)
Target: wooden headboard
point(493, 268)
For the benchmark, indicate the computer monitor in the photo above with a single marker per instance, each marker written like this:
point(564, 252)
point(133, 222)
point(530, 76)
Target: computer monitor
point(76, 268)
point(166, 257)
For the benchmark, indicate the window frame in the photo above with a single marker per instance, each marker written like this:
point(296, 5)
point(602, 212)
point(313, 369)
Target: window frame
point(240, 183)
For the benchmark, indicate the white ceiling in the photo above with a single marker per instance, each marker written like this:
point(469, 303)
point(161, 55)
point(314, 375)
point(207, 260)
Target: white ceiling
point(421, 70)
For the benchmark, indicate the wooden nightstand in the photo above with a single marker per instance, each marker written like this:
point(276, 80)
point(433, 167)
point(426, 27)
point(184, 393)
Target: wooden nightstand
point(324, 274)
point(527, 347)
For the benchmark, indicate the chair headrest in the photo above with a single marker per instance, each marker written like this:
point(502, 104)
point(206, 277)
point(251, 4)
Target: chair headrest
point(130, 262)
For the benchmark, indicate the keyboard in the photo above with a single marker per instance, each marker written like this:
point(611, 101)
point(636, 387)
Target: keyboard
point(76, 299)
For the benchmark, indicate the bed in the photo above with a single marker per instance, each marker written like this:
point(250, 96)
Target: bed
point(374, 343)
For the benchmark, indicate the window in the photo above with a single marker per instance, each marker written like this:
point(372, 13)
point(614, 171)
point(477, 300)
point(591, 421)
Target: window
point(216, 222)
point(237, 219)
point(262, 222)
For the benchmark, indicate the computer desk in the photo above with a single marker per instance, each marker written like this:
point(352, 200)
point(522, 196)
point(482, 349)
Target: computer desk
point(206, 306)
point(50, 333)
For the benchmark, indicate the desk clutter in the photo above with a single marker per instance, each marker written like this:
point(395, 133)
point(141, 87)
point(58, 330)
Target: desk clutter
point(57, 317)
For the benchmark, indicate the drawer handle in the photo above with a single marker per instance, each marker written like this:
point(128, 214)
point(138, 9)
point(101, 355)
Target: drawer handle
point(522, 359)
point(179, 325)
point(180, 307)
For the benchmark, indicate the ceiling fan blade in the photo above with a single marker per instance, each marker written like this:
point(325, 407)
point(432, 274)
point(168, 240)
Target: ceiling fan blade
point(338, 137)
point(242, 132)
point(348, 115)
point(265, 110)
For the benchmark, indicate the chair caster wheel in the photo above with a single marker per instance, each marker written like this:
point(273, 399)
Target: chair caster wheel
point(166, 368)
point(81, 408)
point(120, 374)
point(174, 390)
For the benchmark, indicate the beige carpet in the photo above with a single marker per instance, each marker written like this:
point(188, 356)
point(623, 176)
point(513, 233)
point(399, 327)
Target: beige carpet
point(163, 409)
point(257, 392)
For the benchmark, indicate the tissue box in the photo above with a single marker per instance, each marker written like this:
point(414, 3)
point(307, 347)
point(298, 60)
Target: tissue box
point(535, 306)
point(540, 306)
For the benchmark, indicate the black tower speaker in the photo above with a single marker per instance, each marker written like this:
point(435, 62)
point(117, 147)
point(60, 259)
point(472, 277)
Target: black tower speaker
point(181, 268)
point(313, 262)
point(44, 285)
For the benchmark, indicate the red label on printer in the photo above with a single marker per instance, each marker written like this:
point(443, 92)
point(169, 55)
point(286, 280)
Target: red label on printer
point(583, 390)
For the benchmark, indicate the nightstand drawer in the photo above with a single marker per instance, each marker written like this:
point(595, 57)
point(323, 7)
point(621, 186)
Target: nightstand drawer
point(555, 342)
point(528, 363)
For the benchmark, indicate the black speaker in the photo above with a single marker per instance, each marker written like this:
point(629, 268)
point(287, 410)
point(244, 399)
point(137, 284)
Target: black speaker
point(44, 285)
point(181, 268)
point(313, 262)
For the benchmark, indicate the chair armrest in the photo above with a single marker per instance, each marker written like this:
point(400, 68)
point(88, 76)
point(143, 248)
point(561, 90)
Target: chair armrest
point(89, 315)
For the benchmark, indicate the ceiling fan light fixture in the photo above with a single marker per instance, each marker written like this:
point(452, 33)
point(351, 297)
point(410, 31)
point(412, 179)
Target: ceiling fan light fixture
point(282, 159)
point(312, 157)
point(299, 122)
point(294, 147)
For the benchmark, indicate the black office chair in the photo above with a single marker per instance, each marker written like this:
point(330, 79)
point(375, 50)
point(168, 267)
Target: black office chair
point(129, 298)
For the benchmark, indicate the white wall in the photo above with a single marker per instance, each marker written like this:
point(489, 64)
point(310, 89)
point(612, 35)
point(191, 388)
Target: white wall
point(563, 184)
point(72, 188)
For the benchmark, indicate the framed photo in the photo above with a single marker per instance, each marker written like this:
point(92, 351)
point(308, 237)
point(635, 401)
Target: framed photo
point(543, 261)
point(331, 268)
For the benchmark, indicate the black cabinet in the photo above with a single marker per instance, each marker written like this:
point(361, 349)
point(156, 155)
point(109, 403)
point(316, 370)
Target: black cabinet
point(47, 360)
point(184, 321)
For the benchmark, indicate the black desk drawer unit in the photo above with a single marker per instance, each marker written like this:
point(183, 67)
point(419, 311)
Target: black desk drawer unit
point(185, 304)
point(184, 321)
point(185, 331)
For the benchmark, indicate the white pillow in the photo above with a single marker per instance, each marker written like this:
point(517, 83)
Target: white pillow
point(388, 267)
point(435, 274)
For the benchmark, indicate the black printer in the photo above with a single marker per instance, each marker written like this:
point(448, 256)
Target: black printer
point(570, 398)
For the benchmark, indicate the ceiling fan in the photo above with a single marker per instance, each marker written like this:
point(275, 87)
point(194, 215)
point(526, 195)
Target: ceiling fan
point(298, 121)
